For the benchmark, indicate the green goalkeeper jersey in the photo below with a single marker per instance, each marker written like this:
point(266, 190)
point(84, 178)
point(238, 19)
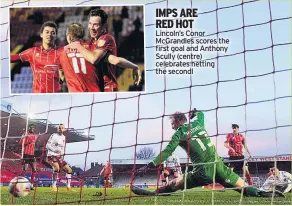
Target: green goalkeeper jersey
point(197, 145)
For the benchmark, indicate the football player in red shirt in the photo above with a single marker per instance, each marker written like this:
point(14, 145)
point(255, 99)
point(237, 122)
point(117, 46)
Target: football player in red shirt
point(101, 44)
point(28, 146)
point(79, 73)
point(43, 61)
point(107, 174)
point(235, 143)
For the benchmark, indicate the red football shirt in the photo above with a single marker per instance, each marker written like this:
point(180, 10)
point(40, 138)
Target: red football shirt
point(44, 65)
point(108, 43)
point(107, 170)
point(28, 140)
point(236, 142)
point(79, 73)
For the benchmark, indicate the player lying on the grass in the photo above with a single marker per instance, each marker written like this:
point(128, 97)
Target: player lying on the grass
point(43, 61)
point(194, 140)
point(27, 142)
point(102, 44)
point(280, 179)
point(55, 157)
point(172, 168)
point(80, 75)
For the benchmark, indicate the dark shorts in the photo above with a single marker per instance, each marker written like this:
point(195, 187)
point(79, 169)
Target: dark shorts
point(59, 160)
point(28, 159)
point(203, 175)
point(237, 165)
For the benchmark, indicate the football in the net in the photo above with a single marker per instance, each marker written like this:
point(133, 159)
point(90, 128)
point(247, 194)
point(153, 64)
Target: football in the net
point(19, 186)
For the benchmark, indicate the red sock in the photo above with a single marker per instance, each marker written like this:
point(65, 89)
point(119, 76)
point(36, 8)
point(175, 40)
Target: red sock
point(249, 179)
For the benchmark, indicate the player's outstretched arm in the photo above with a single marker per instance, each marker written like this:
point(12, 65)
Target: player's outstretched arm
point(92, 56)
point(101, 171)
point(167, 152)
point(121, 62)
point(201, 118)
point(124, 63)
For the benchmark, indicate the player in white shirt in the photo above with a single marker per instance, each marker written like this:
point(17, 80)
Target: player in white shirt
point(172, 168)
point(55, 155)
point(281, 180)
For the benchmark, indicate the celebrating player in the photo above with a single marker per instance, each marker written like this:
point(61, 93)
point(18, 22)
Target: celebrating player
point(43, 61)
point(55, 154)
point(172, 168)
point(280, 179)
point(234, 143)
point(194, 140)
point(79, 73)
point(28, 146)
point(101, 45)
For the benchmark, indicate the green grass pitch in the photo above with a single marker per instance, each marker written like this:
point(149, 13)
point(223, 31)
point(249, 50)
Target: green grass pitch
point(120, 196)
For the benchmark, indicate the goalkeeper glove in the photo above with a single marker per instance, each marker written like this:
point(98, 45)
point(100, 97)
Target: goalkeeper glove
point(192, 113)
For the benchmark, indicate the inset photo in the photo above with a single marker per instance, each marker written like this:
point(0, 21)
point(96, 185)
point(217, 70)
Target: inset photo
point(77, 49)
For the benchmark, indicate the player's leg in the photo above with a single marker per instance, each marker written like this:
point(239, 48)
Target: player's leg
point(230, 179)
point(106, 184)
point(25, 167)
point(25, 164)
point(247, 174)
point(68, 171)
point(56, 169)
point(33, 166)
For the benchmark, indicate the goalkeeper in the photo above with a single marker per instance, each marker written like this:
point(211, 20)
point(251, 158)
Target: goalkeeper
point(194, 140)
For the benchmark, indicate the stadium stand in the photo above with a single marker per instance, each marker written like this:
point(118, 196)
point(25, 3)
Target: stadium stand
point(11, 151)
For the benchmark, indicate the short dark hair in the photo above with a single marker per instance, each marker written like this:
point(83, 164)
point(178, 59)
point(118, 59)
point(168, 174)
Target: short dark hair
point(179, 117)
point(234, 126)
point(76, 30)
point(49, 24)
point(100, 13)
point(30, 125)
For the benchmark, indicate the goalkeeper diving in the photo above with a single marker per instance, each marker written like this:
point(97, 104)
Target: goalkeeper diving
point(194, 140)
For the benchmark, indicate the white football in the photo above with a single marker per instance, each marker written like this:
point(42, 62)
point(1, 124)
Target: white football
point(19, 186)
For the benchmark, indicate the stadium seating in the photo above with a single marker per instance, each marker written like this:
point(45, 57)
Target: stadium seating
point(22, 82)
